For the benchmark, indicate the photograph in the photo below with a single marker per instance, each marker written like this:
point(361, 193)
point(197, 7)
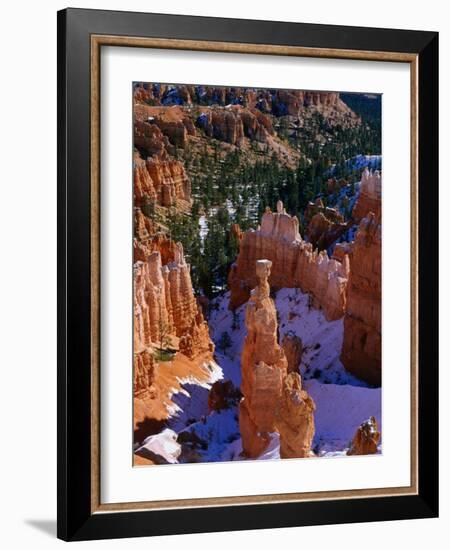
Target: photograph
point(257, 273)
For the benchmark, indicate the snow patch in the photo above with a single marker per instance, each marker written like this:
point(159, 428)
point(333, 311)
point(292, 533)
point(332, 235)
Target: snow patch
point(207, 439)
point(340, 410)
point(322, 339)
point(162, 448)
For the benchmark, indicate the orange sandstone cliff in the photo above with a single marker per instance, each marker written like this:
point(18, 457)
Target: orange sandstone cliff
point(361, 349)
point(163, 296)
point(369, 199)
point(295, 264)
point(168, 319)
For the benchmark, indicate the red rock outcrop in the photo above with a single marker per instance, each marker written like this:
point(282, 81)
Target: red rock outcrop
point(340, 250)
point(295, 264)
point(279, 101)
point(361, 349)
point(295, 419)
point(293, 349)
point(325, 225)
point(173, 122)
point(322, 232)
point(234, 123)
point(144, 93)
point(167, 318)
point(158, 178)
point(366, 438)
point(293, 102)
point(369, 199)
point(149, 139)
point(263, 366)
point(164, 304)
point(297, 103)
point(162, 181)
point(143, 372)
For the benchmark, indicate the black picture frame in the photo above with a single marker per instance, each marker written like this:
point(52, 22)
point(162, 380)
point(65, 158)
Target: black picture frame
point(76, 521)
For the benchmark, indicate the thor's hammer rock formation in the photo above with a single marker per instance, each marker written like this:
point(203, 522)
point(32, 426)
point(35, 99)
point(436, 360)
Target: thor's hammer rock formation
point(264, 366)
point(270, 395)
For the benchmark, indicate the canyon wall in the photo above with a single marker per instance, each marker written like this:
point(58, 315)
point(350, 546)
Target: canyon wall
point(159, 178)
point(295, 264)
point(165, 305)
point(276, 102)
point(173, 122)
point(171, 337)
point(164, 182)
point(234, 123)
point(361, 349)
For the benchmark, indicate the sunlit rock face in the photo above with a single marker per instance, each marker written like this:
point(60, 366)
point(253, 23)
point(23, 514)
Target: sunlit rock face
point(366, 438)
point(295, 264)
point(369, 199)
point(167, 320)
point(158, 178)
point(361, 350)
point(295, 419)
point(235, 123)
point(164, 297)
point(161, 181)
point(143, 372)
point(263, 366)
point(173, 122)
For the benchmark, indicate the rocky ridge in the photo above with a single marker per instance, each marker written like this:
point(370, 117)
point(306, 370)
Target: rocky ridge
point(295, 264)
point(171, 337)
point(276, 102)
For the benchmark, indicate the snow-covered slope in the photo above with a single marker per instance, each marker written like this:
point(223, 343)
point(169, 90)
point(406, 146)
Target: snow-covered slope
point(342, 401)
point(340, 409)
point(322, 339)
point(161, 448)
point(373, 162)
point(222, 320)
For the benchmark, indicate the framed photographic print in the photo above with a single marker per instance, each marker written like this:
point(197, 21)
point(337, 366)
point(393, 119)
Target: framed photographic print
point(247, 274)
